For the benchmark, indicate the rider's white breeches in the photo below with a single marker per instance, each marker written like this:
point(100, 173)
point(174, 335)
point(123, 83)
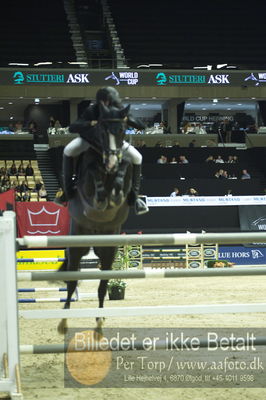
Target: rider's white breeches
point(79, 145)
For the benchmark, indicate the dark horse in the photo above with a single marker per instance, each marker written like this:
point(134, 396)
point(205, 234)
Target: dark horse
point(99, 206)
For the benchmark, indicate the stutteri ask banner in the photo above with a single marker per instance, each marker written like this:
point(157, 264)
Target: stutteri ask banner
point(42, 218)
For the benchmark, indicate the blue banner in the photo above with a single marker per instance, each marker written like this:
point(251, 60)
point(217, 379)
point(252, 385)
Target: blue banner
point(241, 255)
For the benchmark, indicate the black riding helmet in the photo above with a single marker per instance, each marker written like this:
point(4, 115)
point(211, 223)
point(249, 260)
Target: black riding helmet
point(110, 95)
point(105, 94)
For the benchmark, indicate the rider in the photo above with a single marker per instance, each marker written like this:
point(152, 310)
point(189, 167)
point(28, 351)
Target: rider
point(85, 127)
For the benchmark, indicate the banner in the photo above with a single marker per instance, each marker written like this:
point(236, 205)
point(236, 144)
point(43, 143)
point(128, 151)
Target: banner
point(205, 201)
point(242, 255)
point(252, 218)
point(36, 264)
point(7, 200)
point(42, 218)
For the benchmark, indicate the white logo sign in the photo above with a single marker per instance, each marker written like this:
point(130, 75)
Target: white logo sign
point(256, 254)
point(78, 78)
point(218, 79)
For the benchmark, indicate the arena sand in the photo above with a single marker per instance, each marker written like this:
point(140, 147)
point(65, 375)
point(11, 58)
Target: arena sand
point(43, 375)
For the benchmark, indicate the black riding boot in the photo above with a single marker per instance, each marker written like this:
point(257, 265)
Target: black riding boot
point(139, 205)
point(68, 180)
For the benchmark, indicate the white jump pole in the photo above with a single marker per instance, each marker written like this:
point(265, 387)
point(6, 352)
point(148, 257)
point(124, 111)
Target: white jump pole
point(146, 239)
point(121, 312)
point(140, 274)
point(9, 336)
point(138, 345)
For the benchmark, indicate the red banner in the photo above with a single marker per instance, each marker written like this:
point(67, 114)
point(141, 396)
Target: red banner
point(42, 218)
point(7, 200)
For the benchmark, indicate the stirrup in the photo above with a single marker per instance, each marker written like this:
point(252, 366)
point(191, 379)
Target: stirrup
point(141, 207)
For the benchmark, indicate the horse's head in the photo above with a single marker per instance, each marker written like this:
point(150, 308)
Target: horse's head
point(111, 124)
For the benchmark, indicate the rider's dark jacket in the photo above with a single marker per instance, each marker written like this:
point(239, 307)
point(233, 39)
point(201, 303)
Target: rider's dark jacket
point(83, 126)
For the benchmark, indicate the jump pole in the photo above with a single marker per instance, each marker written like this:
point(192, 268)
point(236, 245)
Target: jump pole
point(121, 312)
point(138, 345)
point(146, 239)
point(139, 274)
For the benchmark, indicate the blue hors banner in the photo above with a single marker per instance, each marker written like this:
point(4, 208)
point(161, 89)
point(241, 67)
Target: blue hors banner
point(241, 255)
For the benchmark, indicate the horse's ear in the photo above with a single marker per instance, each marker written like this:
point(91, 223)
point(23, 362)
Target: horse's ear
point(103, 109)
point(124, 112)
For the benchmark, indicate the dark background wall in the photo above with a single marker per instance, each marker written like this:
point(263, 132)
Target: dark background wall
point(42, 112)
point(182, 219)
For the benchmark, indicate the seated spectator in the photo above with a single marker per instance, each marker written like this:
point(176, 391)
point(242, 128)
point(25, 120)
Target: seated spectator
point(225, 175)
point(176, 145)
point(59, 193)
point(13, 185)
point(192, 192)
point(6, 185)
point(17, 196)
point(219, 160)
point(199, 130)
point(18, 127)
point(189, 128)
point(57, 126)
point(32, 128)
point(219, 174)
point(2, 171)
point(4, 180)
point(38, 185)
point(210, 159)
point(183, 160)
point(29, 170)
point(173, 160)
point(23, 187)
point(192, 143)
point(43, 193)
point(26, 196)
point(162, 160)
point(245, 174)
point(21, 170)
point(175, 193)
point(230, 160)
point(12, 170)
point(235, 159)
point(51, 121)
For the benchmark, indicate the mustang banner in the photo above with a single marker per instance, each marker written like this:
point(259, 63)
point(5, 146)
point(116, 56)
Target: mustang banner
point(42, 218)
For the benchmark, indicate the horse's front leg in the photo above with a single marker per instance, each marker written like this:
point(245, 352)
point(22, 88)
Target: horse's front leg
point(102, 290)
point(100, 201)
point(73, 256)
point(106, 256)
point(117, 195)
point(71, 287)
